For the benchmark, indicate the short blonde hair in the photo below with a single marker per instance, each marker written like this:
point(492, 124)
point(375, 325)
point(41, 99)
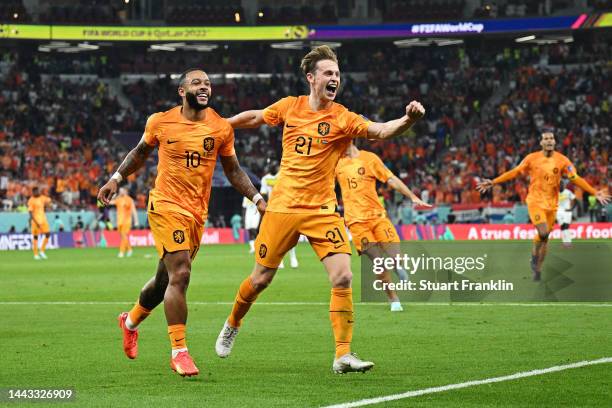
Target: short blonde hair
point(322, 52)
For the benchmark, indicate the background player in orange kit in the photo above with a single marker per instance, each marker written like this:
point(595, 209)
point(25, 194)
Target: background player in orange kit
point(373, 232)
point(316, 133)
point(38, 222)
point(126, 212)
point(189, 138)
point(544, 169)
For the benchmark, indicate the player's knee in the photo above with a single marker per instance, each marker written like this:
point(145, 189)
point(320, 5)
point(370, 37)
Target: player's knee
point(543, 235)
point(261, 277)
point(180, 276)
point(342, 279)
point(262, 281)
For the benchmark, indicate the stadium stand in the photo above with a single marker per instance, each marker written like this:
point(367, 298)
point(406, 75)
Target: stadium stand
point(485, 105)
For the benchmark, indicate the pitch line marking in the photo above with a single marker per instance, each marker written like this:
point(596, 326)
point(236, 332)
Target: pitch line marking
point(433, 390)
point(408, 304)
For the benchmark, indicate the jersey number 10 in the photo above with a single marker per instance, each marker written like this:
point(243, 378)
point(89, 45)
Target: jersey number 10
point(192, 159)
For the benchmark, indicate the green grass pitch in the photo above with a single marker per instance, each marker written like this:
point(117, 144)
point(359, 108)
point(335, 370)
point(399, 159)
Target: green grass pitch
point(283, 355)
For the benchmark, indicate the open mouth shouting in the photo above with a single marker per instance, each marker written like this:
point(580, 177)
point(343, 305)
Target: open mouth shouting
point(331, 89)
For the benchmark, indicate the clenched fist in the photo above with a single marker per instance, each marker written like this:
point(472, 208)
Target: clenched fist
point(415, 111)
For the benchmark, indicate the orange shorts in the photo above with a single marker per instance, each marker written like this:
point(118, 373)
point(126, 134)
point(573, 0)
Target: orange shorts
point(173, 232)
point(538, 216)
point(124, 228)
point(279, 232)
point(376, 230)
point(41, 228)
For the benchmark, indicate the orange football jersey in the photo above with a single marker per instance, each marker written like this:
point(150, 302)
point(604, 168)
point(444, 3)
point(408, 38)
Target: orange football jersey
point(187, 157)
point(545, 178)
point(357, 178)
point(313, 142)
point(36, 205)
point(125, 205)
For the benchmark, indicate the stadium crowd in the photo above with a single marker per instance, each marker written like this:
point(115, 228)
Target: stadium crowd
point(63, 135)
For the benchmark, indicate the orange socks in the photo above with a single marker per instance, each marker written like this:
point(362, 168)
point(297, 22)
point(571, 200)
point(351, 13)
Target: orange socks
point(177, 336)
point(137, 315)
point(44, 244)
point(124, 244)
point(244, 299)
point(35, 246)
point(341, 316)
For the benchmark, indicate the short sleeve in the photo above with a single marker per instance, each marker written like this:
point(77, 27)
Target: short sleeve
point(275, 114)
point(245, 202)
point(524, 164)
point(571, 195)
point(381, 172)
point(47, 200)
point(150, 132)
point(569, 170)
point(227, 148)
point(30, 205)
point(355, 125)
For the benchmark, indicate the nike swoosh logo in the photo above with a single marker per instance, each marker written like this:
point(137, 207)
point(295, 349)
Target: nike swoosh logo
point(177, 340)
point(289, 126)
point(171, 141)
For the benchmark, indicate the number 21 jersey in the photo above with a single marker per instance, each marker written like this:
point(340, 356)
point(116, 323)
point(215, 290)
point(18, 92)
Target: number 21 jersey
point(313, 142)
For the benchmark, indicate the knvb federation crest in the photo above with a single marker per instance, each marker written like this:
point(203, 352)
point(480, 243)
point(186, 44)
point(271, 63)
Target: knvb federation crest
point(361, 171)
point(178, 236)
point(324, 128)
point(209, 144)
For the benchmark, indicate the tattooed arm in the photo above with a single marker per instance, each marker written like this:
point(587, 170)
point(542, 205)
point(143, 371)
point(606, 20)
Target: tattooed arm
point(241, 182)
point(132, 162)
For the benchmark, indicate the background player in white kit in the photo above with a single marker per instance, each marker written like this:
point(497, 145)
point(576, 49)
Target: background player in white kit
point(251, 222)
point(567, 201)
point(267, 185)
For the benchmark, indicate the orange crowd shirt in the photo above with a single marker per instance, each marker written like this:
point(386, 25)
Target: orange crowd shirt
point(313, 142)
point(357, 178)
point(36, 205)
point(125, 205)
point(545, 178)
point(187, 156)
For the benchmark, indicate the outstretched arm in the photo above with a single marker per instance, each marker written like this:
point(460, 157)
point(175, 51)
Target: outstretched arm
point(392, 128)
point(397, 184)
point(247, 119)
point(134, 160)
point(486, 184)
point(601, 195)
point(241, 182)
